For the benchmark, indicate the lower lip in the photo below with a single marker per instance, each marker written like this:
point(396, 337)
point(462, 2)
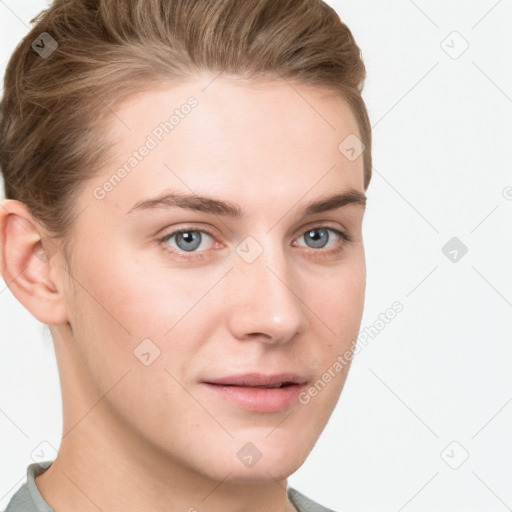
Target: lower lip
point(258, 399)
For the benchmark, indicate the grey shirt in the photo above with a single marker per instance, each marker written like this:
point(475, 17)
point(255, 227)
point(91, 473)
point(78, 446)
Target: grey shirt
point(28, 498)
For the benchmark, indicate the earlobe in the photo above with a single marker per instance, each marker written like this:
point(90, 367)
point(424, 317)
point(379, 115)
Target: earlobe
point(26, 259)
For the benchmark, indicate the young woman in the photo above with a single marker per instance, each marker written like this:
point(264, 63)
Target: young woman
point(185, 188)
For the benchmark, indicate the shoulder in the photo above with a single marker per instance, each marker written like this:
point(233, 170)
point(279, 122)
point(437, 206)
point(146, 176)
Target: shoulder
point(28, 498)
point(304, 504)
point(20, 501)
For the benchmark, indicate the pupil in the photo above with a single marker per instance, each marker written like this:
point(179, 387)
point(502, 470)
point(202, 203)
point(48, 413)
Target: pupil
point(319, 237)
point(193, 238)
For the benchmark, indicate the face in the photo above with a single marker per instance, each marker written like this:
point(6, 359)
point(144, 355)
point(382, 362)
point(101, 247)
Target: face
point(212, 270)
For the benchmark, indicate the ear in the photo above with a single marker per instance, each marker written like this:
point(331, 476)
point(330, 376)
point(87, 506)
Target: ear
point(27, 256)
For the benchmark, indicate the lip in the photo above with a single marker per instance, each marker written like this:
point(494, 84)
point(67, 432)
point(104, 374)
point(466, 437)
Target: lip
point(257, 392)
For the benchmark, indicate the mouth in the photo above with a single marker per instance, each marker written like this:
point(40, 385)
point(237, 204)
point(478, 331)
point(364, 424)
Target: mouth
point(258, 392)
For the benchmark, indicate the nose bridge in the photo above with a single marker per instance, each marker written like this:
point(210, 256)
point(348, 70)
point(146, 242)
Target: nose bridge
point(266, 301)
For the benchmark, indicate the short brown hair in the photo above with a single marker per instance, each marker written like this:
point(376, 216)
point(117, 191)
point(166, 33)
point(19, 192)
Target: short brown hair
point(52, 134)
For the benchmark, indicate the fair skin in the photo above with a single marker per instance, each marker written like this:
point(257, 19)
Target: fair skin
point(157, 437)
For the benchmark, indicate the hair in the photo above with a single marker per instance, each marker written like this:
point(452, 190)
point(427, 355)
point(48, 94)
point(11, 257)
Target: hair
point(56, 108)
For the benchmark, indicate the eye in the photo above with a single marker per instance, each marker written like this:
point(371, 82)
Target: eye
point(187, 241)
point(193, 244)
point(319, 237)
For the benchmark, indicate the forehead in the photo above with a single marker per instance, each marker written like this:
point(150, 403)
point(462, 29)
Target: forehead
point(276, 138)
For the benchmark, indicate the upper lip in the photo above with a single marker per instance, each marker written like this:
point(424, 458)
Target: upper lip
point(259, 380)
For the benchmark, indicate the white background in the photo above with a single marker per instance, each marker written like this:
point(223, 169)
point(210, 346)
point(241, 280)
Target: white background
point(441, 370)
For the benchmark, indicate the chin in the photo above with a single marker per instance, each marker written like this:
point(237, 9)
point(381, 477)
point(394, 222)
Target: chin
point(263, 472)
point(274, 458)
point(260, 461)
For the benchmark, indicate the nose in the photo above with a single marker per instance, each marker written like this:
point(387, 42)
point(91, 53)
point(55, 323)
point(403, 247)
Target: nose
point(265, 300)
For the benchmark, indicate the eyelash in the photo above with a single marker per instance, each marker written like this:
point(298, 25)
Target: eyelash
point(197, 256)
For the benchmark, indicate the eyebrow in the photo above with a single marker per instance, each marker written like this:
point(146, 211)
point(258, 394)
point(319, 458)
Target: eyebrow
point(233, 210)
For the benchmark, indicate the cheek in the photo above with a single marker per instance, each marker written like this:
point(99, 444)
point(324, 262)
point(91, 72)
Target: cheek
point(339, 307)
point(124, 309)
point(120, 316)
point(135, 299)
point(341, 300)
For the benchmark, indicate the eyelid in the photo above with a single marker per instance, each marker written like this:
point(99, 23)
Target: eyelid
point(321, 225)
